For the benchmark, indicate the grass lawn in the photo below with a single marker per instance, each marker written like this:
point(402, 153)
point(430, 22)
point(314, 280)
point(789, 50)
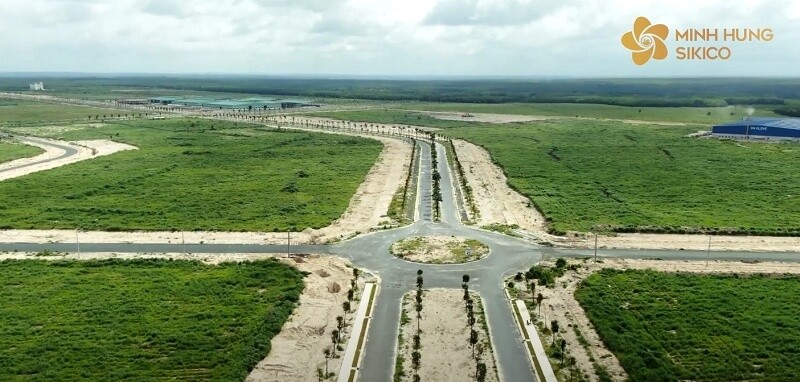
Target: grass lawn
point(613, 176)
point(11, 151)
point(25, 111)
point(194, 175)
point(670, 327)
point(147, 320)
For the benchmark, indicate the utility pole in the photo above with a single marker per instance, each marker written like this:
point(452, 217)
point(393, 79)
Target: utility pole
point(183, 242)
point(595, 247)
point(288, 243)
point(78, 243)
point(708, 252)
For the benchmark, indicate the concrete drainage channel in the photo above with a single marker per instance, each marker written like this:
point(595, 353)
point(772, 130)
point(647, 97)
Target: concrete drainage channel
point(533, 344)
point(352, 355)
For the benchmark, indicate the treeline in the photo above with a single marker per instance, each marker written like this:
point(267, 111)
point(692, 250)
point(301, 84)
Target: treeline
point(689, 92)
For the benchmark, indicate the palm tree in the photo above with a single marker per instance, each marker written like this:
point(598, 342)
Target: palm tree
point(340, 322)
point(419, 314)
point(465, 279)
point(334, 340)
point(346, 307)
point(327, 353)
point(554, 328)
point(415, 358)
point(563, 346)
point(480, 372)
point(539, 299)
point(319, 374)
point(473, 339)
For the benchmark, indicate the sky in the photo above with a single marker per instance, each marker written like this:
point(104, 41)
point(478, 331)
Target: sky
point(570, 38)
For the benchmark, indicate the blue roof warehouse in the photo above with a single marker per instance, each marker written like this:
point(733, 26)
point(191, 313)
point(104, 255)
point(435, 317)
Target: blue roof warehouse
point(759, 128)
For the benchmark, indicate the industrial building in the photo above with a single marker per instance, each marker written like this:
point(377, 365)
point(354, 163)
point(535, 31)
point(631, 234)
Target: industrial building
point(244, 103)
point(37, 86)
point(759, 129)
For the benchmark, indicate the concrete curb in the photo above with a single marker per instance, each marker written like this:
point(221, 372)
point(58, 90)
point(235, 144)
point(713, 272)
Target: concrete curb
point(353, 354)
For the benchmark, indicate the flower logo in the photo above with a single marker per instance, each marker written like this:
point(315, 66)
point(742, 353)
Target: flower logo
point(646, 41)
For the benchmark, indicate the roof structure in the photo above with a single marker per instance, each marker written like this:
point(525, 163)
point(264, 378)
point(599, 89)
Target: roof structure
point(782, 123)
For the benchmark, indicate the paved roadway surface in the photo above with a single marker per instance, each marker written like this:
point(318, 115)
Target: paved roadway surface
point(371, 251)
point(68, 152)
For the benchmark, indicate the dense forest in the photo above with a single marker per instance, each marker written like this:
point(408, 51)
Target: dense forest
point(784, 94)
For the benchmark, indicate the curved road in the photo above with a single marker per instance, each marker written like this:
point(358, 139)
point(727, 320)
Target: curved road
point(68, 152)
point(371, 251)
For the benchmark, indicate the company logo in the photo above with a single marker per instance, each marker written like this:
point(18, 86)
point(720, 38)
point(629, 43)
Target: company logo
point(646, 41)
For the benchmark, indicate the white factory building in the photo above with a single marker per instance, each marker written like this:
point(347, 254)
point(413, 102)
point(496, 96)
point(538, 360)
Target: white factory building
point(36, 86)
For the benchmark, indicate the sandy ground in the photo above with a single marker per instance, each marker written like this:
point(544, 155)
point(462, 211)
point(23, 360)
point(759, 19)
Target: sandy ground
point(435, 249)
point(496, 201)
point(367, 210)
point(560, 304)
point(297, 350)
point(445, 353)
point(86, 150)
point(690, 242)
point(488, 117)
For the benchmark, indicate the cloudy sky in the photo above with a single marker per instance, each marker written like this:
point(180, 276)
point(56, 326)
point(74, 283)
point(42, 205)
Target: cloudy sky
point(381, 37)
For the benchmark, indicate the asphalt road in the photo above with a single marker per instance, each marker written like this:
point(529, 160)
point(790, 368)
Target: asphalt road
point(68, 152)
point(371, 251)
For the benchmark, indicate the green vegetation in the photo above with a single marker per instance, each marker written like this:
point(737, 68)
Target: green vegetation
point(13, 150)
point(669, 327)
point(591, 175)
point(439, 249)
point(195, 175)
point(14, 111)
point(505, 229)
point(698, 115)
point(661, 92)
point(392, 117)
point(142, 320)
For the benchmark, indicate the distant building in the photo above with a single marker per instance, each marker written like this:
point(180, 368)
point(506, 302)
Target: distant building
point(759, 128)
point(37, 86)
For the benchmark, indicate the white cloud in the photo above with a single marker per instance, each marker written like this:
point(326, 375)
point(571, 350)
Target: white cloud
point(369, 37)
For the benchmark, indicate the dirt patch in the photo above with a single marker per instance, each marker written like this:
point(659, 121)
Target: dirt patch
point(488, 117)
point(496, 201)
point(86, 150)
point(689, 242)
point(445, 351)
point(559, 304)
point(297, 351)
point(439, 249)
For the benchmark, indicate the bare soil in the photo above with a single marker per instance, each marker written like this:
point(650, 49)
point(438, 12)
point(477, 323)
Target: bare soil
point(445, 353)
point(488, 117)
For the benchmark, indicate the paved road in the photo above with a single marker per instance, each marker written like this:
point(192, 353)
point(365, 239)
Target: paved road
point(371, 251)
point(68, 152)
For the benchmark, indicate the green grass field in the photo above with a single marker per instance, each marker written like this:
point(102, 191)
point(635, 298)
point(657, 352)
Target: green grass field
point(698, 115)
point(11, 151)
point(671, 327)
point(13, 111)
point(603, 175)
point(194, 175)
point(413, 113)
point(145, 320)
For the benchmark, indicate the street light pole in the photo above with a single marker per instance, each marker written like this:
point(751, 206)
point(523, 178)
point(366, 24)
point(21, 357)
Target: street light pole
point(595, 247)
point(78, 242)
